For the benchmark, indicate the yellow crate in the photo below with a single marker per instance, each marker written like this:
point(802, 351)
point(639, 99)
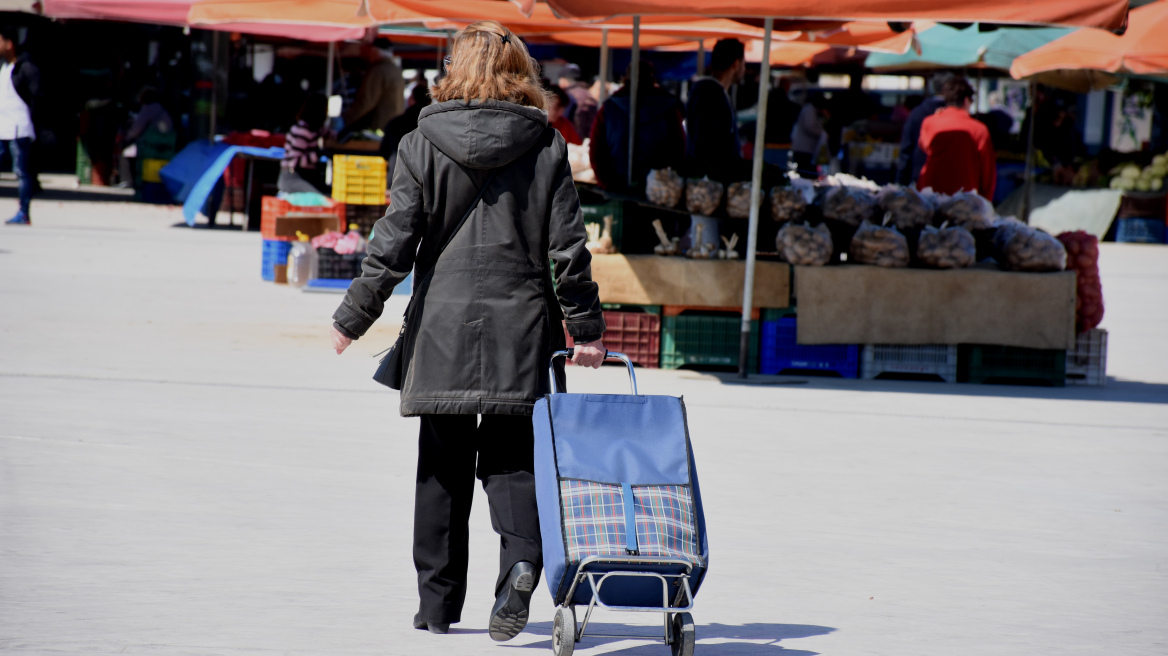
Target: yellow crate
point(150, 169)
point(359, 179)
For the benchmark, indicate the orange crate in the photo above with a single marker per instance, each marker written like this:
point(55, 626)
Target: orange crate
point(636, 334)
point(274, 207)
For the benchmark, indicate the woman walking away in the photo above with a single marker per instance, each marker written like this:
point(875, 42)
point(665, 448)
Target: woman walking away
point(485, 317)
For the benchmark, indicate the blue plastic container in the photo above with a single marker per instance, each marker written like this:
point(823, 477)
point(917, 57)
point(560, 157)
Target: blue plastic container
point(781, 354)
point(1140, 231)
point(275, 252)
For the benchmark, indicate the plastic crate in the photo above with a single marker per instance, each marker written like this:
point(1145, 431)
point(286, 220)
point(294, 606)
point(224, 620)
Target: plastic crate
point(1140, 231)
point(272, 208)
point(275, 252)
point(978, 363)
point(774, 314)
point(84, 165)
point(595, 214)
point(781, 353)
point(359, 179)
point(678, 310)
point(1087, 363)
point(333, 265)
point(636, 334)
point(150, 169)
point(904, 360)
point(364, 216)
point(704, 340)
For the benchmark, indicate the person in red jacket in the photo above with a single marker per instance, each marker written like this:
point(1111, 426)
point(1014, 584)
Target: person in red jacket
point(959, 150)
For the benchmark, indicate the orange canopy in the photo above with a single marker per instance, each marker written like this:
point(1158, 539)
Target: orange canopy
point(1076, 59)
point(1105, 14)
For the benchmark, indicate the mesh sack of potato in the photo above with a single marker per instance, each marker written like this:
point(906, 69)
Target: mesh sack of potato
point(800, 244)
point(1020, 247)
point(880, 245)
point(787, 203)
point(947, 247)
point(967, 210)
point(908, 208)
point(664, 187)
point(851, 205)
point(738, 200)
point(703, 196)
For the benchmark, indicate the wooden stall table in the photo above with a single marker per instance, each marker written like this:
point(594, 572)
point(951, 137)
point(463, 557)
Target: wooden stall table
point(658, 280)
point(874, 305)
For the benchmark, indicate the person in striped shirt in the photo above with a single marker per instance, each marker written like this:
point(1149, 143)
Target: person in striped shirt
point(300, 170)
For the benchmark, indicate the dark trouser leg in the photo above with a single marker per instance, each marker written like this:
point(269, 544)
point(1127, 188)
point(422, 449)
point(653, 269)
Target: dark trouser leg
point(21, 152)
point(507, 469)
point(442, 501)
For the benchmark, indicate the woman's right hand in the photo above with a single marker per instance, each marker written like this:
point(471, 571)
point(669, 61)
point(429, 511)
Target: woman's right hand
point(340, 342)
point(589, 355)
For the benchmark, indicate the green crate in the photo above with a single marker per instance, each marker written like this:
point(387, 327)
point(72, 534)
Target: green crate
point(978, 363)
point(84, 165)
point(596, 213)
point(630, 307)
point(705, 340)
point(774, 314)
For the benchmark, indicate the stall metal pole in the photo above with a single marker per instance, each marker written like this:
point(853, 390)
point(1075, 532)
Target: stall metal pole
point(634, 84)
point(214, 81)
point(755, 199)
point(1028, 176)
point(701, 57)
point(604, 65)
point(328, 76)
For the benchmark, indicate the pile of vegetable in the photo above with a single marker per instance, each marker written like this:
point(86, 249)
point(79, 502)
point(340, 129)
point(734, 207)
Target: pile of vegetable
point(908, 208)
point(947, 247)
point(664, 187)
point(968, 210)
point(738, 200)
point(1083, 259)
point(1130, 177)
point(703, 196)
point(800, 244)
point(1023, 248)
point(880, 245)
point(851, 205)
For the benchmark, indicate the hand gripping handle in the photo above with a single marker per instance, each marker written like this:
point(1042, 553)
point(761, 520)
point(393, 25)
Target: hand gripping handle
point(608, 355)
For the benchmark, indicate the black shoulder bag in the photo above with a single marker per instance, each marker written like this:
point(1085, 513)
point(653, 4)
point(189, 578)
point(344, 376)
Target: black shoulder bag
point(390, 370)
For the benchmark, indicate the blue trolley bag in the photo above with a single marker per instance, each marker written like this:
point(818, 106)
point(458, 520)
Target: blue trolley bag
point(619, 508)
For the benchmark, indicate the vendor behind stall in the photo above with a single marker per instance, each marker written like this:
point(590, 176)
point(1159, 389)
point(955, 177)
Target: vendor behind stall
point(660, 134)
point(300, 170)
point(403, 125)
point(381, 95)
point(959, 153)
point(712, 146)
point(911, 159)
point(557, 104)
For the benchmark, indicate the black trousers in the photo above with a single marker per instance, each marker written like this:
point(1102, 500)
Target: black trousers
point(452, 450)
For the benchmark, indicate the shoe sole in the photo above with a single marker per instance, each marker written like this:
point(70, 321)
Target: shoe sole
point(511, 619)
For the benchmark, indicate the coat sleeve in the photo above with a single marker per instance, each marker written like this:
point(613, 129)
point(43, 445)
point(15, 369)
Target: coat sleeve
point(572, 263)
point(924, 144)
point(391, 251)
point(989, 166)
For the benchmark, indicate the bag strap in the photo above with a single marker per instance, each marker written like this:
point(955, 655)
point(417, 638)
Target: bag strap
point(461, 222)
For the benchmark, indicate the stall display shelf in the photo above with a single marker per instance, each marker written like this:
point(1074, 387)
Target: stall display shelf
point(979, 363)
point(275, 252)
point(923, 360)
point(1140, 231)
point(782, 354)
point(359, 179)
point(704, 340)
point(1087, 362)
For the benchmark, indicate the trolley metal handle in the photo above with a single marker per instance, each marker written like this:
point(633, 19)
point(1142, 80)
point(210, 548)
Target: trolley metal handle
point(608, 355)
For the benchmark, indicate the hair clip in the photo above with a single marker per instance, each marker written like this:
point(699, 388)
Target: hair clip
point(506, 38)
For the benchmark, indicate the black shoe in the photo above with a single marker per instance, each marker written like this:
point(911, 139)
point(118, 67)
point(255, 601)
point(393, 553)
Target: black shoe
point(509, 615)
point(432, 627)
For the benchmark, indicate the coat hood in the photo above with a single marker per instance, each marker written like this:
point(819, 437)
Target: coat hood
point(482, 134)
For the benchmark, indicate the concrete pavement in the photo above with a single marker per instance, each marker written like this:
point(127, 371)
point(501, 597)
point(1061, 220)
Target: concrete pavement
point(185, 468)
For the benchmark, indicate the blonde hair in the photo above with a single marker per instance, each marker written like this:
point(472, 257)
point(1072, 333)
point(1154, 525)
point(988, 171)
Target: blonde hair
point(488, 62)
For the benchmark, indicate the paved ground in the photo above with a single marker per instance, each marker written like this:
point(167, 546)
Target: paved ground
point(186, 469)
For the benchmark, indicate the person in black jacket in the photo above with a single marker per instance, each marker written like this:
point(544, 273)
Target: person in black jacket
point(19, 90)
point(712, 146)
point(911, 158)
point(485, 316)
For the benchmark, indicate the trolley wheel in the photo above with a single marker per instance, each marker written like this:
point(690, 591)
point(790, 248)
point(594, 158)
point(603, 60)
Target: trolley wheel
point(683, 635)
point(564, 631)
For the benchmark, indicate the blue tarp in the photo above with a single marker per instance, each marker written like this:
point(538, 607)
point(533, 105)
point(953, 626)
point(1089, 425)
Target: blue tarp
point(946, 47)
point(192, 175)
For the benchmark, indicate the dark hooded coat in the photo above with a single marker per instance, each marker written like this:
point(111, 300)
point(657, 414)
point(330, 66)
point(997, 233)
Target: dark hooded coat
point(482, 328)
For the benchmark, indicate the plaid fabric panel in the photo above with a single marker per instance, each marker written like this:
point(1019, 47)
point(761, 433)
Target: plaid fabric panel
point(594, 520)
